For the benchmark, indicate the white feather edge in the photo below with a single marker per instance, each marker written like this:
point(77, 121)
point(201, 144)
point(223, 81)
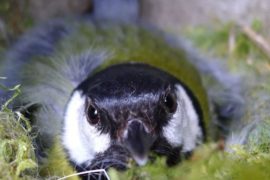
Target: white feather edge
point(81, 140)
point(183, 129)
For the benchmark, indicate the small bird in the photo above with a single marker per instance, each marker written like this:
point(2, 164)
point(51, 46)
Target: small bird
point(112, 93)
point(102, 93)
point(135, 108)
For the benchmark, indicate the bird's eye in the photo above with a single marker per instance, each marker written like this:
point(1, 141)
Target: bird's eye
point(170, 103)
point(93, 115)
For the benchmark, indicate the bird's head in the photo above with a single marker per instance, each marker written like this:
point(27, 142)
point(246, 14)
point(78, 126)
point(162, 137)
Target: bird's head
point(127, 111)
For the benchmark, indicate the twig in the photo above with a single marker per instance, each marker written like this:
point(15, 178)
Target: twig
point(231, 40)
point(87, 172)
point(257, 39)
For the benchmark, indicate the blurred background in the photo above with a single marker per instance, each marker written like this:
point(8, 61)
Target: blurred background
point(169, 14)
point(221, 20)
point(172, 15)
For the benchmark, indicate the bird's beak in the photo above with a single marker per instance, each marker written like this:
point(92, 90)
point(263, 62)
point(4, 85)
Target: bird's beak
point(138, 140)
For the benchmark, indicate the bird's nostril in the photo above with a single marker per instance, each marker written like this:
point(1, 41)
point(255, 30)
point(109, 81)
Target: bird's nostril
point(136, 127)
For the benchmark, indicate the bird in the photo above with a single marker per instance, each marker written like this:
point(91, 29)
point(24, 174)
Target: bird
point(103, 93)
point(111, 102)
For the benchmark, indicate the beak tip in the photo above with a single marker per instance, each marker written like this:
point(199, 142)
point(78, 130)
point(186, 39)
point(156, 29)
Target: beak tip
point(141, 161)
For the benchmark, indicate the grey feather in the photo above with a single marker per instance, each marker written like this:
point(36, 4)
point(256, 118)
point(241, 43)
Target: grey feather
point(48, 78)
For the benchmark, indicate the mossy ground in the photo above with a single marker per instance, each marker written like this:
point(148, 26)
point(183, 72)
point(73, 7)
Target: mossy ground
point(250, 161)
point(17, 158)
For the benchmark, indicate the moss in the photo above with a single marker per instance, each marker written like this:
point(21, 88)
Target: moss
point(17, 158)
point(207, 163)
point(259, 138)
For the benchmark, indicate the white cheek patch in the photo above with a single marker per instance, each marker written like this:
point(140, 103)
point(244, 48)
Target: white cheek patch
point(80, 139)
point(183, 129)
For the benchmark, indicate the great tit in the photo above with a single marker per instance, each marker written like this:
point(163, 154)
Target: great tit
point(102, 93)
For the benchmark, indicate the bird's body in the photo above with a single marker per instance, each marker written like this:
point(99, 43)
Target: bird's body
point(124, 71)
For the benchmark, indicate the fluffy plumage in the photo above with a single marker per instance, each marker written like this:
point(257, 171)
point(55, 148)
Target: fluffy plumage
point(51, 61)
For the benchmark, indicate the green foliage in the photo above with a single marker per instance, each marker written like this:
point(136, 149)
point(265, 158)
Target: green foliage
point(17, 158)
point(216, 40)
point(211, 39)
point(257, 25)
